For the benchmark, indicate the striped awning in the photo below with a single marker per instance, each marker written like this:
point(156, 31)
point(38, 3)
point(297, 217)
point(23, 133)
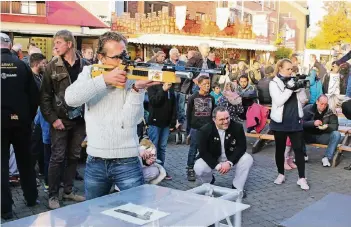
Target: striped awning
point(183, 40)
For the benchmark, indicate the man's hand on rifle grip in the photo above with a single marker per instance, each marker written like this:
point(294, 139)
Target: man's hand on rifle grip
point(116, 77)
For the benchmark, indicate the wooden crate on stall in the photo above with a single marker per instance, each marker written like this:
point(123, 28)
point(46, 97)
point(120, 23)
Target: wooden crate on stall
point(44, 44)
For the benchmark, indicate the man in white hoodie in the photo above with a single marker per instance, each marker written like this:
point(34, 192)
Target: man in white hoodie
point(111, 117)
point(334, 82)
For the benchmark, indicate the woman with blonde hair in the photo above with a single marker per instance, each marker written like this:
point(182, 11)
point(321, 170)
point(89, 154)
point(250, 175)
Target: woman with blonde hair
point(286, 115)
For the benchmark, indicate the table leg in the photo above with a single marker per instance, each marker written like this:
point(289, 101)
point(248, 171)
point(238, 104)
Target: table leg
point(237, 216)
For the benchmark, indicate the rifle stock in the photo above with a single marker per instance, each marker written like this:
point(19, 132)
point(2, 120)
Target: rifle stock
point(140, 73)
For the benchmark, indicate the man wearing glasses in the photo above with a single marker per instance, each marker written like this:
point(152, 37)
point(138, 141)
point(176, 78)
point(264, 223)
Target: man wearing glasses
point(222, 144)
point(111, 116)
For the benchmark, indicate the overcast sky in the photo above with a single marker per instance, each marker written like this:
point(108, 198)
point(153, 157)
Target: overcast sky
point(316, 14)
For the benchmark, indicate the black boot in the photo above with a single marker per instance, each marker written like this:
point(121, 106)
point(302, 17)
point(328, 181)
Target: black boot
point(348, 167)
point(191, 174)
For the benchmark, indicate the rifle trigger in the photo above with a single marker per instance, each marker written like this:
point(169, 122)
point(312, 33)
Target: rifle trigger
point(126, 68)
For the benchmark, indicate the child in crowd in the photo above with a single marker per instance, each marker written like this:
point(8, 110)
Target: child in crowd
point(216, 92)
point(247, 92)
point(152, 171)
point(232, 102)
point(199, 113)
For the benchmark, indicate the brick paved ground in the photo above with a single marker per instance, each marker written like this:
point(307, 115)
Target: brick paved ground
point(270, 204)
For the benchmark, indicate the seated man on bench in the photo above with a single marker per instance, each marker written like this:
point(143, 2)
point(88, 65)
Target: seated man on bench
point(321, 126)
point(222, 144)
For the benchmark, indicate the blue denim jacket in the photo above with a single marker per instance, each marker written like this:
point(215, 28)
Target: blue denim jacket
point(45, 127)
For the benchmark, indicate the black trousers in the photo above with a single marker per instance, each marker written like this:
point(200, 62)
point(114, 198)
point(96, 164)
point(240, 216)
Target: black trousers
point(37, 148)
point(20, 138)
point(65, 144)
point(297, 143)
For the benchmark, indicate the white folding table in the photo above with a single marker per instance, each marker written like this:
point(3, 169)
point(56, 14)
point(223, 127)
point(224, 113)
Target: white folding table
point(184, 208)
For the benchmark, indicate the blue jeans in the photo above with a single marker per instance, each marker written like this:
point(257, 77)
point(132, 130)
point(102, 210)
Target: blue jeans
point(192, 148)
point(348, 87)
point(159, 137)
point(180, 102)
point(101, 174)
point(331, 139)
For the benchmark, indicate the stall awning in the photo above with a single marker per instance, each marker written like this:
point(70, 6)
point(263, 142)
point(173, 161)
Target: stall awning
point(183, 40)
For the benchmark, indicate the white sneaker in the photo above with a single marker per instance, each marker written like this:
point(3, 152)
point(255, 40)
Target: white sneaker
point(325, 162)
point(280, 179)
point(306, 158)
point(303, 184)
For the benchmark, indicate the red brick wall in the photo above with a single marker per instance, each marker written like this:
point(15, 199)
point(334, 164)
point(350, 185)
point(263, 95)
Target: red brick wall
point(206, 7)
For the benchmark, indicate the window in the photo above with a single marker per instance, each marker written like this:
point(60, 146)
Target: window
point(29, 7)
point(272, 27)
point(200, 16)
point(151, 6)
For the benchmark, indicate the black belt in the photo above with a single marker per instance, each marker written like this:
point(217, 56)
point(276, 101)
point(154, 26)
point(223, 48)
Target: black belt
point(109, 159)
point(105, 159)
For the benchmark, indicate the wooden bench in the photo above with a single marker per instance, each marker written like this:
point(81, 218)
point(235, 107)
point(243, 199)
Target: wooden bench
point(341, 115)
point(271, 137)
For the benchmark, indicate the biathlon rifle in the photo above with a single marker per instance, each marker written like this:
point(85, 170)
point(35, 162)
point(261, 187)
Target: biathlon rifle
point(165, 73)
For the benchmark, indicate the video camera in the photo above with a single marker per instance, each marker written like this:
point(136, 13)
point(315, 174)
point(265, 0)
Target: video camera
point(301, 81)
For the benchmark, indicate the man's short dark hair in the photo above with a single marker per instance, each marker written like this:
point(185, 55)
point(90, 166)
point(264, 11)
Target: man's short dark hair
point(35, 59)
point(156, 49)
point(202, 78)
point(268, 70)
point(218, 109)
point(109, 36)
point(215, 85)
point(244, 76)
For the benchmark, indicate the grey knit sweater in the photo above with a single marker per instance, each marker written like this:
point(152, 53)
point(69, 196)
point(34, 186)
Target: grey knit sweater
point(111, 115)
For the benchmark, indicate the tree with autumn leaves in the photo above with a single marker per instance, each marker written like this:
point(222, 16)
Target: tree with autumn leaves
point(335, 27)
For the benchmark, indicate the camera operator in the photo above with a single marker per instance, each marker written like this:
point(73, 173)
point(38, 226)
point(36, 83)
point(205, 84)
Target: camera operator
point(68, 127)
point(286, 118)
